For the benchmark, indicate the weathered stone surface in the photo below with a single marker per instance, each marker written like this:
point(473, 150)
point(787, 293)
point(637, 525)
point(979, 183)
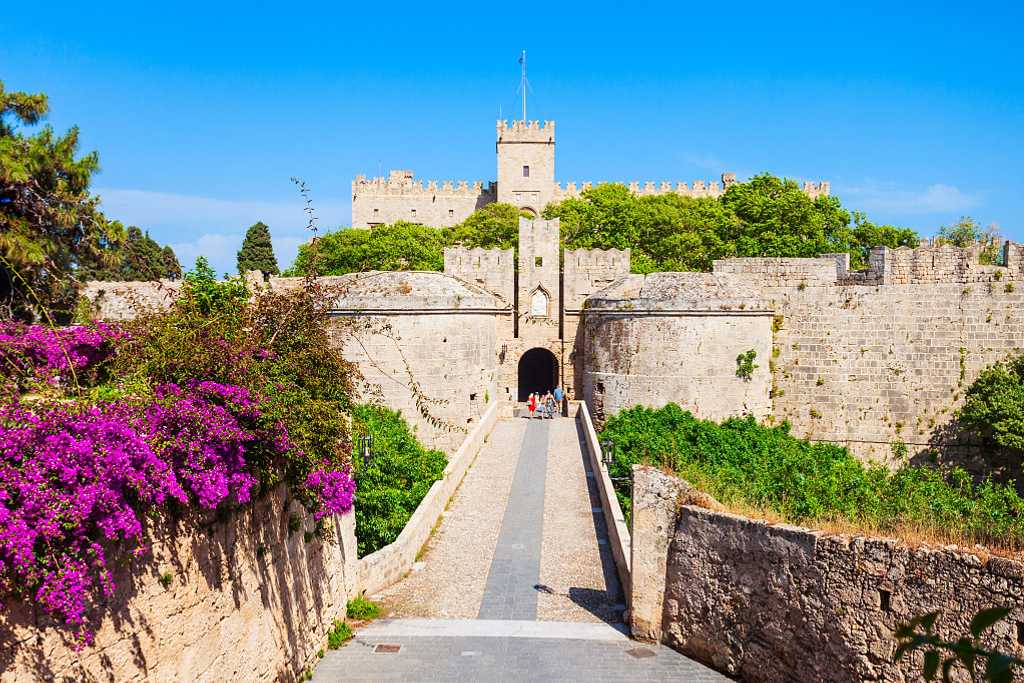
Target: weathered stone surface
point(770, 602)
point(245, 600)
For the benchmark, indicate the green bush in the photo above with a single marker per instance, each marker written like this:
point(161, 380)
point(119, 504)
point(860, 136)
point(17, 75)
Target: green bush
point(362, 609)
point(994, 405)
point(396, 479)
point(741, 461)
point(339, 635)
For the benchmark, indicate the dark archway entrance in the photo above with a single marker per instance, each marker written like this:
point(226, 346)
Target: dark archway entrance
point(538, 372)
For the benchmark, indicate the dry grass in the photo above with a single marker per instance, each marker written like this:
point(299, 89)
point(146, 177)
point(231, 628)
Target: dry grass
point(912, 535)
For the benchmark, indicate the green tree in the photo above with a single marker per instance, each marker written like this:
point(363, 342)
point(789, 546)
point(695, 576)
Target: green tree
point(257, 252)
point(49, 223)
point(967, 231)
point(398, 246)
point(994, 404)
point(137, 258)
point(495, 226)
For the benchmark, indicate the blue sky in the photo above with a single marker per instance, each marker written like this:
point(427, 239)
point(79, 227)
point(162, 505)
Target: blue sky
point(202, 112)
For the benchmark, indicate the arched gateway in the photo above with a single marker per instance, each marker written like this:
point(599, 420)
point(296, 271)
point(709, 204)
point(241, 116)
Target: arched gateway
point(538, 372)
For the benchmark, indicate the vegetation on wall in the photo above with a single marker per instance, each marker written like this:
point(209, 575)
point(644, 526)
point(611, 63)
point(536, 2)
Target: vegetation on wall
point(51, 229)
point(750, 465)
point(394, 481)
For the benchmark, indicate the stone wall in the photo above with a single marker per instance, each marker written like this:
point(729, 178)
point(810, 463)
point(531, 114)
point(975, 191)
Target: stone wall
point(125, 300)
point(866, 366)
point(247, 600)
point(398, 197)
point(773, 602)
point(674, 338)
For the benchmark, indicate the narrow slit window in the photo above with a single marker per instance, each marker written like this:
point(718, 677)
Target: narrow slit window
point(538, 261)
point(526, 171)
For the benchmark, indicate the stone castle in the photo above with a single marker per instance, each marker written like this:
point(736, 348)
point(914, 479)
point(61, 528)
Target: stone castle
point(862, 358)
point(526, 178)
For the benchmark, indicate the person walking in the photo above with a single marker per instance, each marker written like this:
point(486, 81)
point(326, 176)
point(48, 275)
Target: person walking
point(559, 395)
point(549, 406)
point(531, 403)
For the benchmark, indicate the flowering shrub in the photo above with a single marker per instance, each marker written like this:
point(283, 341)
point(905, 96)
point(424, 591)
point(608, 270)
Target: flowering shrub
point(202, 405)
point(35, 353)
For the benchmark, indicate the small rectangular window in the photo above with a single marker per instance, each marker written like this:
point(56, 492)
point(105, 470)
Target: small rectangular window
point(414, 212)
point(526, 171)
point(451, 213)
point(538, 261)
point(376, 211)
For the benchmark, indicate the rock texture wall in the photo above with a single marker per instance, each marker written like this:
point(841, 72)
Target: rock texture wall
point(247, 601)
point(869, 364)
point(674, 337)
point(771, 602)
point(425, 345)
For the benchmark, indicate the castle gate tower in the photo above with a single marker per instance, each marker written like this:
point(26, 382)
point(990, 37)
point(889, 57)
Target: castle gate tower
point(526, 164)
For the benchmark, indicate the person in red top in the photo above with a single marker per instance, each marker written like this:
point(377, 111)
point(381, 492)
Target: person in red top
point(531, 403)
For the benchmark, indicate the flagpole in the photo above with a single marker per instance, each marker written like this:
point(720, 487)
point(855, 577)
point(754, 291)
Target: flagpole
point(522, 60)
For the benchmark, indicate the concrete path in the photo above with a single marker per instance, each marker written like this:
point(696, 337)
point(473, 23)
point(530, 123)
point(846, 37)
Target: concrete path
point(517, 583)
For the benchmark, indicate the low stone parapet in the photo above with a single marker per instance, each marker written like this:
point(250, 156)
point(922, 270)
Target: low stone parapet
point(776, 602)
point(380, 569)
point(243, 599)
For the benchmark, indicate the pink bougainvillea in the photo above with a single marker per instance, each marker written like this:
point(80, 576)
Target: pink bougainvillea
point(76, 477)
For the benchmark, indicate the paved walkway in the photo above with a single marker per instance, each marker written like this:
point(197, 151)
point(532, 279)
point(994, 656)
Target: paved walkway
point(517, 583)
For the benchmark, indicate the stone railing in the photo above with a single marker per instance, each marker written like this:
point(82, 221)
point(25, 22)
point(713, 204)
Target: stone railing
point(615, 521)
point(773, 602)
point(380, 569)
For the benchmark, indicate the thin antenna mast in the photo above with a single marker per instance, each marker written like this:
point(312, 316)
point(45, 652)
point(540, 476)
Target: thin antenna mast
point(523, 82)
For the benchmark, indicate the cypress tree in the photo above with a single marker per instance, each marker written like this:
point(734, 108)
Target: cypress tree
point(257, 252)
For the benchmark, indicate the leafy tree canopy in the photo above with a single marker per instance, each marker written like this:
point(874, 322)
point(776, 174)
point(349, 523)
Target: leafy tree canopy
point(257, 252)
point(994, 405)
point(495, 226)
point(398, 246)
point(52, 233)
point(139, 257)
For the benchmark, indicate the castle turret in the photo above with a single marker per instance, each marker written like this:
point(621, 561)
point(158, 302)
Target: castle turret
point(526, 164)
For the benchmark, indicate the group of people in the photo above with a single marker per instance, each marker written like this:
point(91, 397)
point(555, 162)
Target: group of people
point(547, 405)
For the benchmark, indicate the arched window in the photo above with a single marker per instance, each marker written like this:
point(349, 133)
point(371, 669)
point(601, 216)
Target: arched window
point(539, 303)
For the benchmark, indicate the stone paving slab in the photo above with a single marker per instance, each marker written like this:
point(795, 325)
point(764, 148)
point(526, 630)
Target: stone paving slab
point(577, 569)
point(511, 589)
point(450, 582)
point(503, 628)
point(424, 658)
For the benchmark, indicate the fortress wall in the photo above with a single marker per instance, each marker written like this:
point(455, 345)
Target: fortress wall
point(436, 210)
point(652, 358)
point(448, 356)
point(247, 600)
point(774, 602)
point(492, 269)
point(781, 272)
point(587, 271)
point(124, 300)
point(866, 366)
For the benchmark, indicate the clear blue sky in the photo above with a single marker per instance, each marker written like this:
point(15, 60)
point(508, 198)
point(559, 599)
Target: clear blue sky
point(202, 112)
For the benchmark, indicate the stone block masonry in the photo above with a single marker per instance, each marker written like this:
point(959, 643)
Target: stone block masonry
point(243, 599)
point(773, 602)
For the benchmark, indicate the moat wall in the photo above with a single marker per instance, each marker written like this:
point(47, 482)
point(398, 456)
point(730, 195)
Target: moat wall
point(245, 599)
point(773, 602)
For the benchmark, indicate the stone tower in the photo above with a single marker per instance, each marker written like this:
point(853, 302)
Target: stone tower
point(526, 164)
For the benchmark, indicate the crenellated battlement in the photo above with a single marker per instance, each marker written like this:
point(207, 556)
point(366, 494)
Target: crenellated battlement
point(936, 261)
point(598, 259)
point(699, 188)
point(402, 183)
point(492, 269)
point(526, 131)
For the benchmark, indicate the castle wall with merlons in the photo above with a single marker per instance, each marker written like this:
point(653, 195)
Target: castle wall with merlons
point(870, 365)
